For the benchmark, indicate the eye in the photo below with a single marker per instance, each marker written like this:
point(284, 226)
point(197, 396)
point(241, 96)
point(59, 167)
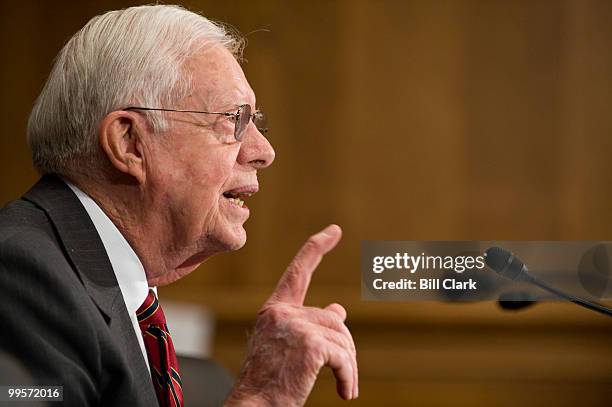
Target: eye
point(233, 117)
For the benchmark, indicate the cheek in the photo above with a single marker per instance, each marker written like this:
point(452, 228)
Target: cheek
point(198, 173)
point(212, 175)
point(209, 178)
point(203, 166)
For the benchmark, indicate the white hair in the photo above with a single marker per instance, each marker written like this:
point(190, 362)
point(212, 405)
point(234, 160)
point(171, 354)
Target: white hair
point(118, 59)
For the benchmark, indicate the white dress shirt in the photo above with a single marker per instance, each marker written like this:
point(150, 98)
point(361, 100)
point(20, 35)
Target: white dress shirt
point(127, 266)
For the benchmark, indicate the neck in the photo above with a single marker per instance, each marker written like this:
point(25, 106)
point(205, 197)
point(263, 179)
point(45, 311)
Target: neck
point(140, 219)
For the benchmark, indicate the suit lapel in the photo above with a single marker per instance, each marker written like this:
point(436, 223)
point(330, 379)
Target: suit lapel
point(85, 250)
point(80, 239)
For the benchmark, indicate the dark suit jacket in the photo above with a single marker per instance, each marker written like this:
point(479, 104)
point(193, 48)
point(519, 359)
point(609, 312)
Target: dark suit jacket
point(62, 314)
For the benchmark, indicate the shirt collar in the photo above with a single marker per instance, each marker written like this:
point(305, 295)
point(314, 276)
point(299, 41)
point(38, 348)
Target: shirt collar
point(128, 269)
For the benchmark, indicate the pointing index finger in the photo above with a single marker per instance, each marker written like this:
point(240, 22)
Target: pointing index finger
point(293, 284)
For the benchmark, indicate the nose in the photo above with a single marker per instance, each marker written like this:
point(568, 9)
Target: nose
point(255, 151)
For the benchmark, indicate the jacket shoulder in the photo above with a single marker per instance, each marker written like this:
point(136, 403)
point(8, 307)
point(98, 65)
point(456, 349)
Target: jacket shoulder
point(21, 216)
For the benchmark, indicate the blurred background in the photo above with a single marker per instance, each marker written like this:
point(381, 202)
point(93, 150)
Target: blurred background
point(398, 120)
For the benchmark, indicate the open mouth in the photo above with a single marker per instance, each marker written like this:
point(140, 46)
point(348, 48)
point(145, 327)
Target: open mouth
point(237, 196)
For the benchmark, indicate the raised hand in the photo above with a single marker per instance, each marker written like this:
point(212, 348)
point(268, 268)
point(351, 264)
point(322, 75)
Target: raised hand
point(292, 342)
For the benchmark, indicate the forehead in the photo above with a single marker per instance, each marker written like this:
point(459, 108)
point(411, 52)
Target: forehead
point(218, 80)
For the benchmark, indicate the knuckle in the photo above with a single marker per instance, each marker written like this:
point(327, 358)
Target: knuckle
point(345, 358)
point(336, 319)
point(338, 311)
point(345, 342)
point(313, 243)
point(348, 342)
point(296, 326)
point(337, 307)
point(276, 312)
point(294, 269)
point(313, 344)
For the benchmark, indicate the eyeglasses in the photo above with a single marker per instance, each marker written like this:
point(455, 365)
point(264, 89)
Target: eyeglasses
point(241, 118)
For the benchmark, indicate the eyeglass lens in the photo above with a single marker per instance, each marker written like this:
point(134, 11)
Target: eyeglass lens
point(242, 121)
point(243, 117)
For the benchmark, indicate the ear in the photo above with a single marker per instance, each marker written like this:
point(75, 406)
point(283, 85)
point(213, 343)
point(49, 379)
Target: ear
point(122, 143)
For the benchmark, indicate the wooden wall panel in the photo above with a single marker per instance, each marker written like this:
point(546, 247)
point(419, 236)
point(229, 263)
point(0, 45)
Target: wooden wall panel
point(399, 120)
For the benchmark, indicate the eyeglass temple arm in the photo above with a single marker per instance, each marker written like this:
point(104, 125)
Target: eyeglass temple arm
point(228, 114)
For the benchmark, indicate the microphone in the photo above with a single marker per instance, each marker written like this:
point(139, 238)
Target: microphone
point(506, 264)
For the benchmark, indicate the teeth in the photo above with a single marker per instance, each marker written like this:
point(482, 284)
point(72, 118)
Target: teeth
point(237, 201)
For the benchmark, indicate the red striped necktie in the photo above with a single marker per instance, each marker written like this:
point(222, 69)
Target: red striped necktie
point(160, 351)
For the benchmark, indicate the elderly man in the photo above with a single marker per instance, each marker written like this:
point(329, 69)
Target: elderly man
point(148, 140)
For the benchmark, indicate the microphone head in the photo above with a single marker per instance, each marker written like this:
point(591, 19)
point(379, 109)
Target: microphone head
point(504, 263)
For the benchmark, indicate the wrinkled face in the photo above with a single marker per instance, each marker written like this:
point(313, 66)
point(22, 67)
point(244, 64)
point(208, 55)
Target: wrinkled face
point(199, 172)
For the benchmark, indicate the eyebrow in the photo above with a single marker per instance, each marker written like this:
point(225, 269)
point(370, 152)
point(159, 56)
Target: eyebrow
point(228, 100)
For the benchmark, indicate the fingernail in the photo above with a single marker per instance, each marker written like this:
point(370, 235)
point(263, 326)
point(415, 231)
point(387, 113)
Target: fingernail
point(328, 230)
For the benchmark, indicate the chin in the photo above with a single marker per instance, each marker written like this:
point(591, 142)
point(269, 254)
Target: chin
point(233, 238)
point(239, 238)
